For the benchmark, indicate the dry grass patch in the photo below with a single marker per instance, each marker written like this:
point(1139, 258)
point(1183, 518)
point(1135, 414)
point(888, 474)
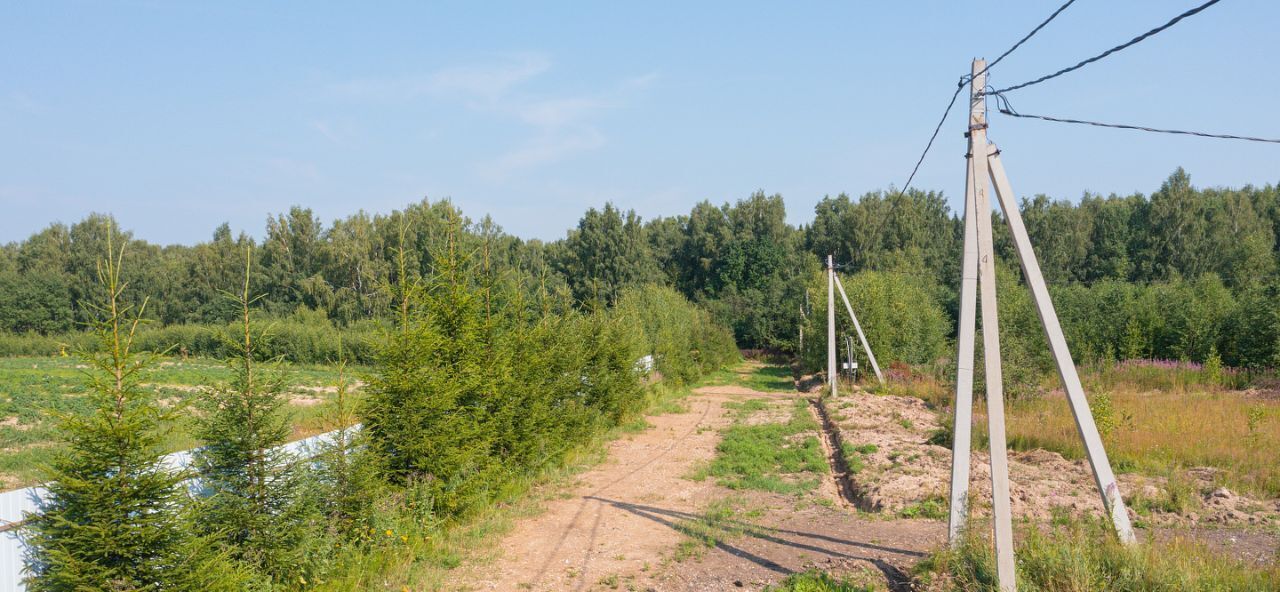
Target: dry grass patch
point(1160, 432)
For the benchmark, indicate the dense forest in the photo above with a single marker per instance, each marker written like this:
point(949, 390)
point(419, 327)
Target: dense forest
point(1183, 273)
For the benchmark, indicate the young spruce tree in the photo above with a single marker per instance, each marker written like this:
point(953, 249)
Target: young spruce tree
point(258, 506)
point(428, 411)
point(346, 471)
point(112, 519)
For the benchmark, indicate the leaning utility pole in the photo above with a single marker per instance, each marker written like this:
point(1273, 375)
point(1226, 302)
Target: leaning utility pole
point(978, 271)
point(832, 377)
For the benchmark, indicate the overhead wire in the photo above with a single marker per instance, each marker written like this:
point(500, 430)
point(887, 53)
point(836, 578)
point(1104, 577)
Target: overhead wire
point(1006, 108)
point(1130, 43)
point(1139, 127)
point(965, 80)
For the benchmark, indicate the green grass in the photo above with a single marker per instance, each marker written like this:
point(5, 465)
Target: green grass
point(755, 376)
point(853, 455)
point(722, 521)
point(743, 409)
point(931, 508)
point(816, 581)
point(1084, 555)
point(779, 457)
point(1178, 496)
point(32, 389)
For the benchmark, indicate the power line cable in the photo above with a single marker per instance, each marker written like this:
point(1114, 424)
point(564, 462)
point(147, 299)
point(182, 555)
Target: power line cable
point(965, 80)
point(1120, 47)
point(916, 169)
point(1137, 127)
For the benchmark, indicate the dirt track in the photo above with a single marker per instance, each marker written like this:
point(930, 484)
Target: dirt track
point(617, 526)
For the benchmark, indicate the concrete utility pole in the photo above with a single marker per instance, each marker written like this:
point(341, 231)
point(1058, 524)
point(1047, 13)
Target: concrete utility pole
point(962, 433)
point(1002, 521)
point(978, 268)
point(858, 327)
point(831, 326)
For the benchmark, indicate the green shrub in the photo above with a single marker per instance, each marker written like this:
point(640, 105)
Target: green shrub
point(475, 389)
point(899, 314)
point(684, 340)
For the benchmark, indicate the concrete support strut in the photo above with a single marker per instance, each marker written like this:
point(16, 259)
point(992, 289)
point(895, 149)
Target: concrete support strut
point(858, 327)
point(978, 280)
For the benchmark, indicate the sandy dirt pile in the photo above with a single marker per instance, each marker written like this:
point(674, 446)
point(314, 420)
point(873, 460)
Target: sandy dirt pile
point(905, 470)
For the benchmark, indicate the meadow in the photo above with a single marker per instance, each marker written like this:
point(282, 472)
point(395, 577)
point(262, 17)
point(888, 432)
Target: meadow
point(34, 390)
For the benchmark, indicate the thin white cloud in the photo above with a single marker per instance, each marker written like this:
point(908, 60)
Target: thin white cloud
point(325, 130)
point(553, 113)
point(295, 169)
point(489, 83)
point(562, 126)
point(542, 150)
point(484, 83)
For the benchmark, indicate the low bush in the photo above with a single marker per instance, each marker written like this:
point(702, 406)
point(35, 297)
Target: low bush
point(899, 315)
point(302, 338)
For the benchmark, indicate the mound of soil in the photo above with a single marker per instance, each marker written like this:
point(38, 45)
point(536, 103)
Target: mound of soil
point(905, 469)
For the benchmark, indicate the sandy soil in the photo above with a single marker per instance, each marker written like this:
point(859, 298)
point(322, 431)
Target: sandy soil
point(617, 527)
point(906, 469)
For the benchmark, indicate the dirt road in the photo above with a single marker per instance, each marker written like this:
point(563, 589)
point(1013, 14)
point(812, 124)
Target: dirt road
point(623, 524)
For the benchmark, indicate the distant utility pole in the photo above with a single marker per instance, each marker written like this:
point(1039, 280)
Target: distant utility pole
point(831, 325)
point(858, 327)
point(978, 269)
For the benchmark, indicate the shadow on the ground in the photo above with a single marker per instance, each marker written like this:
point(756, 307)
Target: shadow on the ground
point(894, 577)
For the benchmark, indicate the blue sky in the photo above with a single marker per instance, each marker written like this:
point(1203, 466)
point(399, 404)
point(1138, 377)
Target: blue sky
point(176, 117)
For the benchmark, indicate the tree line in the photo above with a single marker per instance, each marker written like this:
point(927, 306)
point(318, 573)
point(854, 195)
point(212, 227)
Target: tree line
point(1212, 249)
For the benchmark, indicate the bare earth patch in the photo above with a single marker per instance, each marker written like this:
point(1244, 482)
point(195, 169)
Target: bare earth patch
point(634, 521)
point(623, 524)
point(906, 469)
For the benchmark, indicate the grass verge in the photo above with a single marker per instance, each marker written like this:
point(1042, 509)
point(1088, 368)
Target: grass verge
point(816, 581)
point(1153, 420)
point(778, 457)
point(1084, 555)
point(755, 376)
point(1163, 432)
